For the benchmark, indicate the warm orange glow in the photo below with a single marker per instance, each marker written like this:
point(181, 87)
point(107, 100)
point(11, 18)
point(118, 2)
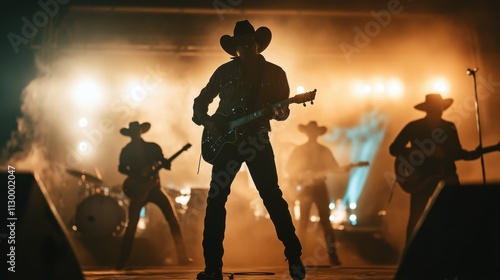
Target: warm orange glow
point(395, 88)
point(87, 92)
point(391, 72)
point(439, 85)
point(381, 89)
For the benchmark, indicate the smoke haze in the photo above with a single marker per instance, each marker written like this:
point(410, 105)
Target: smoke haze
point(159, 85)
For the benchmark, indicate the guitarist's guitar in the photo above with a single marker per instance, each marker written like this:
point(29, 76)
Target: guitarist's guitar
point(230, 127)
point(414, 178)
point(309, 177)
point(139, 186)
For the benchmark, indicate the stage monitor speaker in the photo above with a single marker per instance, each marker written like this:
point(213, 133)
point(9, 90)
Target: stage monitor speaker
point(33, 238)
point(458, 237)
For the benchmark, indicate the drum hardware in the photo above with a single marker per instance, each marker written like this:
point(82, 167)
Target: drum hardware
point(84, 176)
point(100, 216)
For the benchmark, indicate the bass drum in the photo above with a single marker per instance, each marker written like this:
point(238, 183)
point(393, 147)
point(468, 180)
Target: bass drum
point(100, 216)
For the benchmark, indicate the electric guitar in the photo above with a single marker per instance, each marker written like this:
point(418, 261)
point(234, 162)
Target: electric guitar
point(308, 178)
point(138, 187)
point(229, 128)
point(414, 178)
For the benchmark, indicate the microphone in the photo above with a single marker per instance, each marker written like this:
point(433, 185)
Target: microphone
point(471, 71)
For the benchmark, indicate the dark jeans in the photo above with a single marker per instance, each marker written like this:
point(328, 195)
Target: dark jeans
point(257, 153)
point(317, 194)
point(159, 198)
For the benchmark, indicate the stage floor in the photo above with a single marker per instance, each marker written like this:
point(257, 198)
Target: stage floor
point(250, 273)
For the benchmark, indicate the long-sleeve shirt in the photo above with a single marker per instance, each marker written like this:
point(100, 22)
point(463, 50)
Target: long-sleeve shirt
point(235, 89)
point(138, 157)
point(439, 144)
point(311, 158)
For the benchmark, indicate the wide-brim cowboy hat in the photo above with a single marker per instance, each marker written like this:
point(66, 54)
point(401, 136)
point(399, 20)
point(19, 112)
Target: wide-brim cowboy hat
point(312, 128)
point(135, 127)
point(243, 29)
point(433, 99)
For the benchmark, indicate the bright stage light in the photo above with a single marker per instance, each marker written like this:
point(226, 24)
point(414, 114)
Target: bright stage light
point(83, 147)
point(314, 218)
point(352, 218)
point(331, 206)
point(440, 85)
point(395, 88)
point(379, 87)
point(352, 205)
point(143, 220)
point(184, 197)
point(367, 89)
point(301, 89)
point(87, 92)
point(83, 122)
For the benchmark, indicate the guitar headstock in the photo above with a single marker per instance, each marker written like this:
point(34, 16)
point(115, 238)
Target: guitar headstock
point(304, 97)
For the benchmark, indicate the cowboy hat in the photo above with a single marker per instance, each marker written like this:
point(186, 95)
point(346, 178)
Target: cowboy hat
point(433, 99)
point(134, 127)
point(312, 128)
point(244, 28)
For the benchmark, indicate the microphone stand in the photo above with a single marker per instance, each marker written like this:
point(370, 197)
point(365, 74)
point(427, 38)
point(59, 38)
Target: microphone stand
point(472, 72)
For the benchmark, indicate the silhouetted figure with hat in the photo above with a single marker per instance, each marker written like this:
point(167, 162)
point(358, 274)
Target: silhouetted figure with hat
point(248, 82)
point(308, 166)
point(141, 161)
point(434, 146)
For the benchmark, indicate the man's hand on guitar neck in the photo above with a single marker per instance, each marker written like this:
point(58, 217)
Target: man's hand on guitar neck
point(279, 114)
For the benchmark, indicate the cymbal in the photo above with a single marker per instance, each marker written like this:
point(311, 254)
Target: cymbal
point(84, 176)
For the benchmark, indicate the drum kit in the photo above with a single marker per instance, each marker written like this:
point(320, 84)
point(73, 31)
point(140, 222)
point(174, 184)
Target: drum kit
point(101, 211)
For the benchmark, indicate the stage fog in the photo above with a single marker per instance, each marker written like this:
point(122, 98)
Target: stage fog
point(369, 70)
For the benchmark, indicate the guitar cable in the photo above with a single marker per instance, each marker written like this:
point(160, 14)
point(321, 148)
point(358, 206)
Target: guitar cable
point(199, 163)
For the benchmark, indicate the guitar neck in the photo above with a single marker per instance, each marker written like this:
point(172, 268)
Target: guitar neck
point(175, 155)
point(250, 117)
point(185, 148)
point(490, 149)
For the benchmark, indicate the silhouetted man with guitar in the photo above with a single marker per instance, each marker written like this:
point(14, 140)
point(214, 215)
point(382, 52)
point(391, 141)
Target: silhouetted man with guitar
point(141, 161)
point(307, 167)
point(430, 158)
point(239, 132)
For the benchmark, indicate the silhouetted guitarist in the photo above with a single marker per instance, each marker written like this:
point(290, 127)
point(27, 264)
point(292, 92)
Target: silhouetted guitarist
point(434, 148)
point(308, 166)
point(141, 161)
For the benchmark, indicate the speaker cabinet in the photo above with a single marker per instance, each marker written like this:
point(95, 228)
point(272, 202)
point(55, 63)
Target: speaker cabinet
point(458, 237)
point(33, 236)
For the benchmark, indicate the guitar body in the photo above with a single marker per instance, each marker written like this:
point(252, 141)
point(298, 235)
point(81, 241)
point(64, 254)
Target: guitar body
point(231, 127)
point(414, 178)
point(139, 187)
point(214, 145)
